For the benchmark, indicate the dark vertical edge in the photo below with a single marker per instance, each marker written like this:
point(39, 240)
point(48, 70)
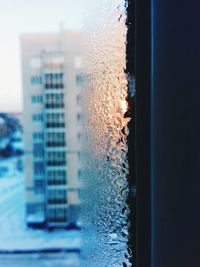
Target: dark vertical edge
point(142, 137)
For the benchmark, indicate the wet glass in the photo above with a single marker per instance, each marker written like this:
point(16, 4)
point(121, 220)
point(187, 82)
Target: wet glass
point(64, 127)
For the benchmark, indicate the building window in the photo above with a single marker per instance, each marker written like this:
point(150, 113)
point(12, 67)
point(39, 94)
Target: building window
point(54, 100)
point(58, 177)
point(33, 208)
point(78, 100)
point(79, 174)
point(79, 118)
point(38, 150)
point(38, 136)
point(57, 158)
point(57, 215)
point(58, 196)
point(36, 80)
point(79, 80)
point(38, 168)
point(54, 80)
point(37, 99)
point(79, 138)
point(39, 186)
point(55, 120)
point(55, 61)
point(79, 156)
point(37, 117)
point(55, 139)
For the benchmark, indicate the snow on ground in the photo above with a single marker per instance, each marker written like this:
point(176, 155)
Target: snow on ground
point(41, 260)
point(14, 235)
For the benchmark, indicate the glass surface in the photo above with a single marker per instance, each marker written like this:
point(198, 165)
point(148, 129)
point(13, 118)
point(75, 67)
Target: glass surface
point(105, 210)
point(63, 134)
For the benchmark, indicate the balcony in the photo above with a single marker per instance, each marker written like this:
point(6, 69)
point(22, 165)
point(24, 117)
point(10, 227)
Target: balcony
point(55, 124)
point(55, 105)
point(55, 144)
point(56, 181)
point(54, 86)
point(56, 162)
point(57, 201)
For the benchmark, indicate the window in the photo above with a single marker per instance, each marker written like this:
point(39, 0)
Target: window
point(37, 99)
point(38, 168)
point(79, 156)
point(38, 150)
point(55, 120)
point(58, 177)
point(53, 156)
point(37, 117)
point(78, 100)
point(38, 136)
point(79, 117)
point(33, 208)
point(39, 186)
point(57, 215)
point(79, 174)
point(53, 61)
point(53, 66)
point(54, 80)
point(79, 80)
point(36, 80)
point(58, 196)
point(107, 124)
point(79, 138)
point(56, 158)
point(55, 100)
point(55, 139)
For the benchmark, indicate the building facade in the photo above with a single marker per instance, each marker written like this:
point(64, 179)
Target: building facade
point(52, 79)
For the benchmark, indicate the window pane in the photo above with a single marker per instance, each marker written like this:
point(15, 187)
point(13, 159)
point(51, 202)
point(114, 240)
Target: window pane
point(68, 146)
point(105, 212)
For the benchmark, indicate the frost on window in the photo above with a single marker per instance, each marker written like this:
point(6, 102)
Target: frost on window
point(105, 210)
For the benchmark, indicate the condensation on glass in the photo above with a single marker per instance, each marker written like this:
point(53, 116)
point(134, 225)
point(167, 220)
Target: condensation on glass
point(105, 210)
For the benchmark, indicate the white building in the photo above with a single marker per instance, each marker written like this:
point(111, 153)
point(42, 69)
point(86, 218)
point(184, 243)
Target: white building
point(52, 79)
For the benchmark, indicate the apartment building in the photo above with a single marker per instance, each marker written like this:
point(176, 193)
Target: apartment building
point(52, 81)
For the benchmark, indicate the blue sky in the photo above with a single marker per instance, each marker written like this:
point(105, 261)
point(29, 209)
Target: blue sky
point(29, 16)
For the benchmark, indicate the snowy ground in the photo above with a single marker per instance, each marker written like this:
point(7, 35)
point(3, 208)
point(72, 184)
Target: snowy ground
point(14, 236)
point(40, 260)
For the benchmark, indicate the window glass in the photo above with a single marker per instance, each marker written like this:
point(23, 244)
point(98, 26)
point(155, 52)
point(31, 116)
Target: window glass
point(37, 117)
point(37, 135)
point(36, 80)
point(39, 168)
point(79, 80)
point(106, 167)
point(64, 144)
